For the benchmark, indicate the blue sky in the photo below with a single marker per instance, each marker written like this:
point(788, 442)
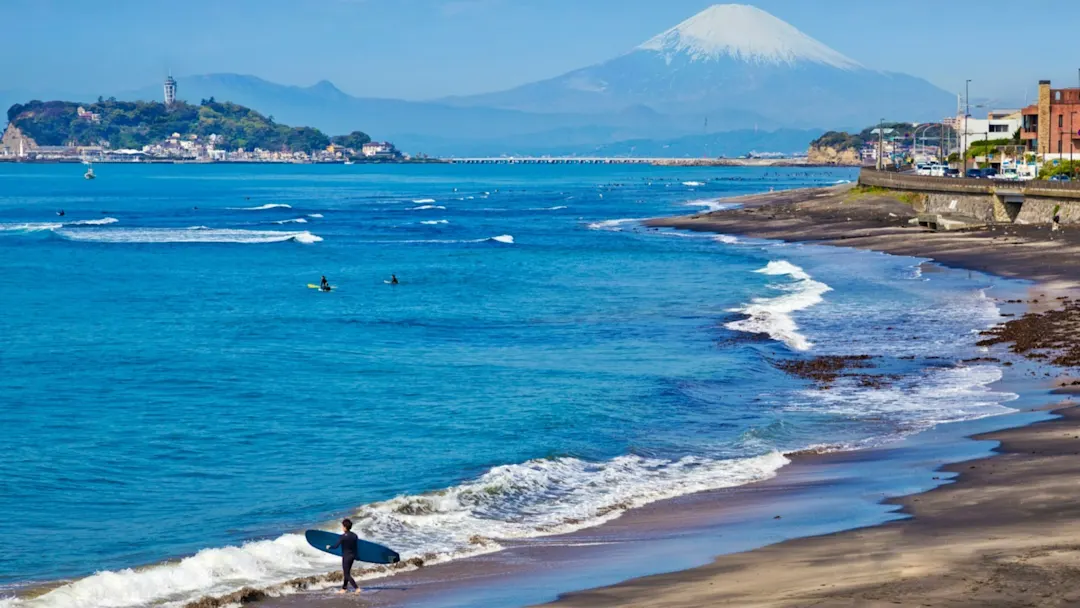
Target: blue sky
point(423, 49)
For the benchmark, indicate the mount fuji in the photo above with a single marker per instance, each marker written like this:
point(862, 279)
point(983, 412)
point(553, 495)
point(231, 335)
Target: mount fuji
point(739, 66)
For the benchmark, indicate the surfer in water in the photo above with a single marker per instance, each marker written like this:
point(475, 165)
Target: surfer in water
point(393, 279)
point(325, 286)
point(348, 543)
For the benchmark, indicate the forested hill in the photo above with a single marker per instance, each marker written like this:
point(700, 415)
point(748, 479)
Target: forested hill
point(133, 124)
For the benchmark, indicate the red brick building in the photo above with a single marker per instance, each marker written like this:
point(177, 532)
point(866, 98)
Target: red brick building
point(1052, 126)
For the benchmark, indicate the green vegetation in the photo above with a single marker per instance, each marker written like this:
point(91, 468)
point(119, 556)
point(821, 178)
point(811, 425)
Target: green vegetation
point(859, 192)
point(900, 131)
point(134, 124)
point(988, 147)
point(1063, 167)
point(354, 140)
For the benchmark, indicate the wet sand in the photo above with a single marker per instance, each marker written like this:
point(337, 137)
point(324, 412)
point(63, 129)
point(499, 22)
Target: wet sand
point(844, 217)
point(1006, 534)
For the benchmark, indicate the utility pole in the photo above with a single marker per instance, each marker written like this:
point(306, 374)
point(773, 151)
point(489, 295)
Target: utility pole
point(880, 144)
point(967, 114)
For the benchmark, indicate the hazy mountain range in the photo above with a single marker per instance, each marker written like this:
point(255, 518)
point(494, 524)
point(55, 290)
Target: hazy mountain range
point(727, 68)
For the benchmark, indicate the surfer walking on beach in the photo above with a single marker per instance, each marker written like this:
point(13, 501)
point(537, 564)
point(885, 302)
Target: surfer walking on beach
point(348, 543)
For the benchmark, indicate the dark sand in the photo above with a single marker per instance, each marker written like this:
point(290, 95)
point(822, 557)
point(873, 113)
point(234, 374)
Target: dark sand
point(1006, 534)
point(844, 217)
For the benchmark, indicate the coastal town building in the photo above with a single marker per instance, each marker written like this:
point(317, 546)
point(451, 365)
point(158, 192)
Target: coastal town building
point(379, 149)
point(998, 124)
point(1051, 127)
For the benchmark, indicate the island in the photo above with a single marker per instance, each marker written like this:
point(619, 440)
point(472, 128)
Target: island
point(212, 131)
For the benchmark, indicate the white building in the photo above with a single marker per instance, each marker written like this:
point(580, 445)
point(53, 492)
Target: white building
point(998, 124)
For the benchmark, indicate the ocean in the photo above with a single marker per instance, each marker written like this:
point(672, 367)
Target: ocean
point(179, 405)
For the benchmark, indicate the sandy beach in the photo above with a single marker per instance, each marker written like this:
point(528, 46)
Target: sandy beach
point(1004, 534)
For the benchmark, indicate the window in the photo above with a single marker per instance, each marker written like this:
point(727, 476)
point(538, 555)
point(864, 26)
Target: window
point(1057, 95)
point(999, 128)
point(1061, 120)
point(1059, 146)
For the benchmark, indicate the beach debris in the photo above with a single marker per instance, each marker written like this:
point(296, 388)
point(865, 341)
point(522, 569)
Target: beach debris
point(825, 370)
point(1040, 336)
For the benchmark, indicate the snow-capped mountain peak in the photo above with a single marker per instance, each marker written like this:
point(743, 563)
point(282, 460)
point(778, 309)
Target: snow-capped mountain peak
point(745, 33)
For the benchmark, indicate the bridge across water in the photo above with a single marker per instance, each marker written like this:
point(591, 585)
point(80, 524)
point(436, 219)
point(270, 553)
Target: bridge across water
point(625, 160)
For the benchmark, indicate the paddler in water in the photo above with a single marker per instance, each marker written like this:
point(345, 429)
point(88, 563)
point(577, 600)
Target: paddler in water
point(393, 279)
point(325, 285)
point(348, 544)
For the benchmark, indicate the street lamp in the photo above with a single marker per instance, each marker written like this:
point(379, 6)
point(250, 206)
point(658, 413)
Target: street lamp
point(967, 114)
point(880, 144)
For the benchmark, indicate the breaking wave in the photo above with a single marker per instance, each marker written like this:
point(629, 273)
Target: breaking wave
point(772, 316)
point(613, 225)
point(533, 499)
point(426, 207)
point(42, 226)
point(710, 204)
point(298, 220)
point(196, 234)
point(263, 207)
point(693, 184)
point(422, 201)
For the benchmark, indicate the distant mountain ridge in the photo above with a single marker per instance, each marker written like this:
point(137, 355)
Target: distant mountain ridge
point(732, 59)
point(730, 67)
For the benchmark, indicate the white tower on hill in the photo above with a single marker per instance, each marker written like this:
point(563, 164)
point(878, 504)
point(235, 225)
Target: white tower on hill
point(170, 91)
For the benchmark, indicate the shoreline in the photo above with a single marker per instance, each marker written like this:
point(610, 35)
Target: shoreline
point(998, 535)
point(714, 510)
point(695, 511)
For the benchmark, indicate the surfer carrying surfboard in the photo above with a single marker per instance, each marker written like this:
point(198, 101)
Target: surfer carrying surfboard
point(347, 542)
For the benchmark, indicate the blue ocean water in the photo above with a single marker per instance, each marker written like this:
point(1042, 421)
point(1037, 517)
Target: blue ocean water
point(176, 399)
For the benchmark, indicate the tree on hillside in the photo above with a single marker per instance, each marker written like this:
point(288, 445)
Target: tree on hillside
point(354, 140)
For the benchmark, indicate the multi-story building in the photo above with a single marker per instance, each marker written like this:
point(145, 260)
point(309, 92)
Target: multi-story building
point(998, 124)
point(1051, 127)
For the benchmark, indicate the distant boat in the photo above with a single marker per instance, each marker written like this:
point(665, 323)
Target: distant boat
point(89, 172)
point(348, 161)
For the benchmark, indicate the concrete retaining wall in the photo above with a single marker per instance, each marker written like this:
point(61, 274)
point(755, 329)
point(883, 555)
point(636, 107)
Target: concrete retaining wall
point(986, 200)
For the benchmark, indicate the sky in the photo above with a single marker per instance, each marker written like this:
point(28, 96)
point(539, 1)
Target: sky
point(426, 49)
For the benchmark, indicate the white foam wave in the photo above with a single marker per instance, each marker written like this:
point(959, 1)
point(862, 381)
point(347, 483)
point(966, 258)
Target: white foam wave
point(185, 235)
point(533, 499)
point(42, 226)
point(30, 227)
point(710, 204)
point(613, 225)
point(772, 316)
point(555, 208)
point(693, 184)
point(263, 207)
point(426, 207)
point(317, 216)
point(99, 222)
point(298, 220)
point(940, 395)
point(434, 222)
point(421, 201)
point(727, 239)
point(503, 238)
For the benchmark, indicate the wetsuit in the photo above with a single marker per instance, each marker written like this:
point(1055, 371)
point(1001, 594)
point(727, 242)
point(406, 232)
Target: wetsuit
point(347, 542)
point(325, 285)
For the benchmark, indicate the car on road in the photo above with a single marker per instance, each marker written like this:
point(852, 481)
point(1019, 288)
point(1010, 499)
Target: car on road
point(973, 173)
point(952, 173)
point(1060, 177)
